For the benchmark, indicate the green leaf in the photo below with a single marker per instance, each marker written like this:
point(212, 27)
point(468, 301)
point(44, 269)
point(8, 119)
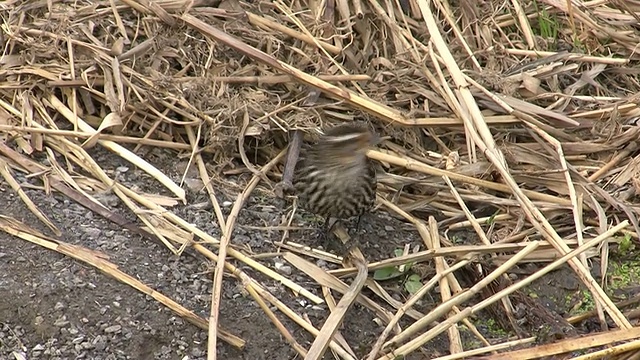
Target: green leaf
point(413, 284)
point(386, 273)
point(626, 244)
point(492, 218)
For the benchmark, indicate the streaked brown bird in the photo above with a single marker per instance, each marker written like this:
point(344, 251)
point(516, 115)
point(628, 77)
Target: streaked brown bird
point(333, 177)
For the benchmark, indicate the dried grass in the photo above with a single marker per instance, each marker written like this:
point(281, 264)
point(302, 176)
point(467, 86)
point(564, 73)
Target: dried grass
point(529, 107)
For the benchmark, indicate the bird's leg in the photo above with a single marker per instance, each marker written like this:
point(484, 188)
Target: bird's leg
point(325, 233)
point(358, 223)
point(325, 225)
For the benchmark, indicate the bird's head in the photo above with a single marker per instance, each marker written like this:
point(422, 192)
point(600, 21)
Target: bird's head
point(346, 144)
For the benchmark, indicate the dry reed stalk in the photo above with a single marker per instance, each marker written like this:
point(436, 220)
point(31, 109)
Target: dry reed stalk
point(119, 150)
point(220, 262)
point(326, 280)
point(205, 179)
point(483, 139)
point(283, 330)
point(568, 345)
point(337, 337)
point(414, 165)
point(334, 320)
point(249, 282)
point(412, 300)
point(621, 349)
point(492, 348)
point(413, 344)
point(6, 174)
point(97, 260)
point(377, 51)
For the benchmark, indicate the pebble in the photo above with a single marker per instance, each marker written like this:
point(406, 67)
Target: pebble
point(113, 329)
point(87, 302)
point(92, 233)
point(285, 269)
point(194, 184)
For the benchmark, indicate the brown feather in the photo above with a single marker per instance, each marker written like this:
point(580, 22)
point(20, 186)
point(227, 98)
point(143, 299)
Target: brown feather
point(333, 177)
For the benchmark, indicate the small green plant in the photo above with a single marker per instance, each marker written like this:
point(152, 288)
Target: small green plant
point(391, 272)
point(492, 219)
point(412, 282)
point(624, 274)
point(582, 302)
point(493, 327)
point(387, 273)
point(626, 245)
point(547, 24)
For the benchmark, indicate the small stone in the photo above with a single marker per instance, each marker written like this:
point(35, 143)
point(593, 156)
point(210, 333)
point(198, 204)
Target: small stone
point(194, 184)
point(197, 352)
point(61, 322)
point(108, 199)
point(285, 269)
point(100, 343)
point(92, 232)
point(113, 329)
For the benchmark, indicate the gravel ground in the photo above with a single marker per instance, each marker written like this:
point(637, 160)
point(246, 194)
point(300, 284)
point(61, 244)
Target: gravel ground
point(55, 307)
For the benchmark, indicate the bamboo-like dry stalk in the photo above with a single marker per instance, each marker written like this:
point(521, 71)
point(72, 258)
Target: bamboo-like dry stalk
point(220, 262)
point(500, 117)
point(95, 259)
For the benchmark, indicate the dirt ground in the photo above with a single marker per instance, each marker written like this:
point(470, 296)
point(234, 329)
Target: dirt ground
point(54, 307)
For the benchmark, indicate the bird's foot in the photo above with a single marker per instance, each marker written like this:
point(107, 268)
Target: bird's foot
point(326, 237)
point(356, 229)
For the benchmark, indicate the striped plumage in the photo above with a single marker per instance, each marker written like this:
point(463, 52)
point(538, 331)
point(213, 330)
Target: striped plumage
point(333, 177)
